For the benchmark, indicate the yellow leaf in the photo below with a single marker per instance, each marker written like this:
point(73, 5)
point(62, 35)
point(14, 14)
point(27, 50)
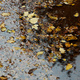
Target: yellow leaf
point(16, 48)
point(2, 25)
point(75, 45)
point(63, 41)
point(59, 4)
point(51, 27)
point(29, 30)
point(64, 59)
point(62, 50)
point(13, 31)
point(3, 78)
point(23, 6)
point(31, 15)
point(67, 44)
point(11, 40)
point(23, 49)
point(69, 66)
point(18, 37)
point(23, 37)
point(3, 29)
point(26, 13)
point(40, 53)
point(76, 14)
point(54, 60)
point(1, 65)
point(34, 20)
point(5, 14)
point(35, 27)
point(58, 29)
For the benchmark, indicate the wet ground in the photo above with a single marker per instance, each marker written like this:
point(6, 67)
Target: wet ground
point(39, 40)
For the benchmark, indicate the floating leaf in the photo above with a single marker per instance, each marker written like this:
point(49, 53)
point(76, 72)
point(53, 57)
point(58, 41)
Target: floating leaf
point(9, 31)
point(23, 37)
point(34, 20)
point(2, 25)
point(75, 45)
point(16, 48)
point(54, 60)
point(1, 65)
point(29, 30)
point(62, 50)
point(63, 41)
point(69, 66)
point(35, 26)
point(51, 27)
point(26, 13)
point(76, 14)
point(13, 31)
point(49, 30)
point(64, 59)
point(3, 78)
point(40, 53)
point(31, 15)
point(3, 29)
point(11, 40)
point(5, 14)
point(67, 44)
point(58, 29)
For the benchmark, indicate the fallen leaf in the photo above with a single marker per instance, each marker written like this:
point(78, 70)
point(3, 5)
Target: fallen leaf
point(3, 29)
point(76, 14)
point(35, 26)
point(58, 29)
point(64, 59)
point(67, 44)
point(3, 78)
point(11, 40)
point(34, 20)
point(16, 48)
point(13, 31)
point(63, 41)
point(2, 25)
point(26, 13)
point(9, 31)
point(49, 30)
point(5, 14)
point(23, 37)
point(40, 53)
point(51, 27)
point(69, 66)
point(31, 15)
point(54, 60)
point(1, 65)
point(62, 50)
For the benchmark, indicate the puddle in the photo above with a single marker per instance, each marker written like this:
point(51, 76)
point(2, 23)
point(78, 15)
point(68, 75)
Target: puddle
point(39, 46)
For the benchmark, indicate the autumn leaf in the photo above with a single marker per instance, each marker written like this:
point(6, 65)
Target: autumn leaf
point(34, 20)
point(69, 66)
point(40, 53)
point(6, 14)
